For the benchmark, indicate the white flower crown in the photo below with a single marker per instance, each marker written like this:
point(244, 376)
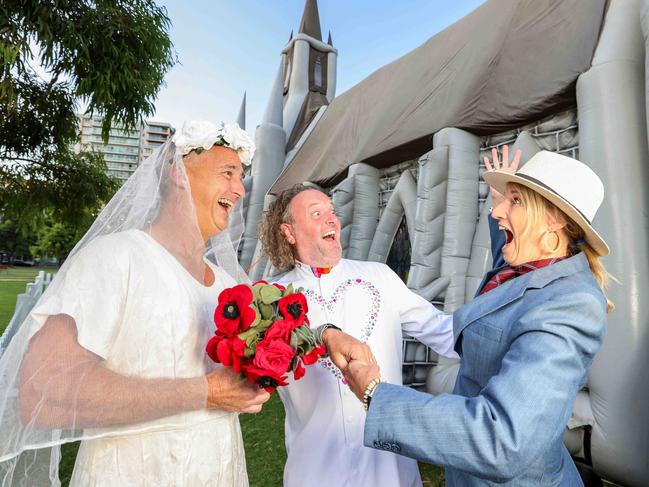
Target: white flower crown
point(200, 135)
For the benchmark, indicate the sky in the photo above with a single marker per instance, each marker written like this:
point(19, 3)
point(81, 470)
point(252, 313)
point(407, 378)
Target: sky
point(227, 47)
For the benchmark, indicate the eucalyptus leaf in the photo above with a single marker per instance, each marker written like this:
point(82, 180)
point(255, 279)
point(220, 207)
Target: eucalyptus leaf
point(264, 325)
point(267, 311)
point(257, 316)
point(270, 294)
point(255, 292)
point(250, 348)
point(248, 333)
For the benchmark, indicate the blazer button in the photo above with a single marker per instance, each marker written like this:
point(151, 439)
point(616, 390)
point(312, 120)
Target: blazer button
point(387, 447)
point(396, 448)
point(377, 444)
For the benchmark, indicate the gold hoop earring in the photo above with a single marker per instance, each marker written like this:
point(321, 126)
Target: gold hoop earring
point(556, 247)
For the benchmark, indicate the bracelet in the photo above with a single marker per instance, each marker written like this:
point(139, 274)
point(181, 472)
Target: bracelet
point(320, 330)
point(369, 390)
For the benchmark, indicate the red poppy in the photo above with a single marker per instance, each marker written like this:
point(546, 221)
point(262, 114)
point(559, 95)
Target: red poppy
point(279, 286)
point(260, 282)
point(264, 377)
point(294, 308)
point(233, 313)
point(312, 357)
point(227, 352)
point(234, 349)
point(211, 346)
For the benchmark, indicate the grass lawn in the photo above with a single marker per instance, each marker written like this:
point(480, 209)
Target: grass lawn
point(8, 293)
point(263, 433)
point(12, 283)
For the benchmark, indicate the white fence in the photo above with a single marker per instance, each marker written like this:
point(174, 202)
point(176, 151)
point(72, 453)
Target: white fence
point(24, 303)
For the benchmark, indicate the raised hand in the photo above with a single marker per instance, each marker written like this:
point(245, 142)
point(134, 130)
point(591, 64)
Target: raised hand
point(229, 392)
point(343, 348)
point(504, 165)
point(359, 374)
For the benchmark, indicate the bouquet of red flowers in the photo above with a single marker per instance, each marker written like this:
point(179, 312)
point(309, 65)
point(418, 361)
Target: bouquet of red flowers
point(262, 332)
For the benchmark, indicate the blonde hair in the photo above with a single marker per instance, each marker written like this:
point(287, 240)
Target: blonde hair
point(537, 208)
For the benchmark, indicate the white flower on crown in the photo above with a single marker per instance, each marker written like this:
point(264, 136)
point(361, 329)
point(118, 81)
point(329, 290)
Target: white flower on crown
point(202, 135)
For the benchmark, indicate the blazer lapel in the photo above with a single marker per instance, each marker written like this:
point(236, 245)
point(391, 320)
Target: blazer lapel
point(484, 304)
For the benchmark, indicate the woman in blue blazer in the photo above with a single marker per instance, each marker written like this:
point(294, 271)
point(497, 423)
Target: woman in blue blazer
point(526, 340)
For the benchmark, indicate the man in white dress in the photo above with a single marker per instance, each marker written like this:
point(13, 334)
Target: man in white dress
point(367, 300)
point(114, 352)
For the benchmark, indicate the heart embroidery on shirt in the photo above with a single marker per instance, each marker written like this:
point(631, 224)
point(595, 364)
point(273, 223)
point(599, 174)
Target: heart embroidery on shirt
point(336, 298)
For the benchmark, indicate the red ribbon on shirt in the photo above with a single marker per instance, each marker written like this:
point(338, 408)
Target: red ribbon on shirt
point(510, 272)
point(318, 271)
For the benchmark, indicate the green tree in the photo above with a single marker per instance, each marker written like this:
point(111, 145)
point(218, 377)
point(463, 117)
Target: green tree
point(50, 217)
point(110, 54)
point(56, 239)
point(55, 55)
point(64, 187)
point(13, 240)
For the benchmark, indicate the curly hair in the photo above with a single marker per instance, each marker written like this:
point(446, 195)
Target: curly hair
point(274, 244)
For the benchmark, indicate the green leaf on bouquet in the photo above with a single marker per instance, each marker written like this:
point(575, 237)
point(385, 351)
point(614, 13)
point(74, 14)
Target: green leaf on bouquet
point(255, 292)
point(270, 294)
point(257, 316)
point(251, 336)
point(264, 325)
point(248, 333)
point(306, 335)
point(294, 340)
point(266, 311)
point(289, 290)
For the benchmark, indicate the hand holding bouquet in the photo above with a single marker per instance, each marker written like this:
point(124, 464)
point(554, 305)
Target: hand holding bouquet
point(262, 332)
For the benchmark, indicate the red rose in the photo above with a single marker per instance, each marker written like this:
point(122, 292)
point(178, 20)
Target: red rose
point(312, 357)
point(233, 313)
point(274, 356)
point(293, 308)
point(299, 371)
point(280, 330)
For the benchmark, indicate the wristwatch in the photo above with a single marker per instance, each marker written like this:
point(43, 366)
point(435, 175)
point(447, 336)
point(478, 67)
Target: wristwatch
point(320, 330)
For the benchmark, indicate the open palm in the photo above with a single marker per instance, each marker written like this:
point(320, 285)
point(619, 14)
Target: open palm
point(502, 165)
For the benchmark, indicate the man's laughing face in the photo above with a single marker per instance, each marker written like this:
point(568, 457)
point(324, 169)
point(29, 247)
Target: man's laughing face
point(314, 230)
point(216, 180)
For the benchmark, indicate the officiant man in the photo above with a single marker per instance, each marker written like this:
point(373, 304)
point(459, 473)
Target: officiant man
point(300, 233)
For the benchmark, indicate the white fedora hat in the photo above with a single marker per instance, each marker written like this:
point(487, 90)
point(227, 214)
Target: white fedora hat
point(570, 185)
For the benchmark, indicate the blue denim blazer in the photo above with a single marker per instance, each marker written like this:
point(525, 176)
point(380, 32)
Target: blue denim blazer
point(526, 347)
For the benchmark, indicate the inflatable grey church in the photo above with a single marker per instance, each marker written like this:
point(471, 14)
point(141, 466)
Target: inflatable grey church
point(401, 156)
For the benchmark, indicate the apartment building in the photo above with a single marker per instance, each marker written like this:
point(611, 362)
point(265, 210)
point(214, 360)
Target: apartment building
point(125, 149)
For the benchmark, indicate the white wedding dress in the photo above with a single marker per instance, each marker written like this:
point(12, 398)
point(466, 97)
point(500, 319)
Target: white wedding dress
point(139, 309)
